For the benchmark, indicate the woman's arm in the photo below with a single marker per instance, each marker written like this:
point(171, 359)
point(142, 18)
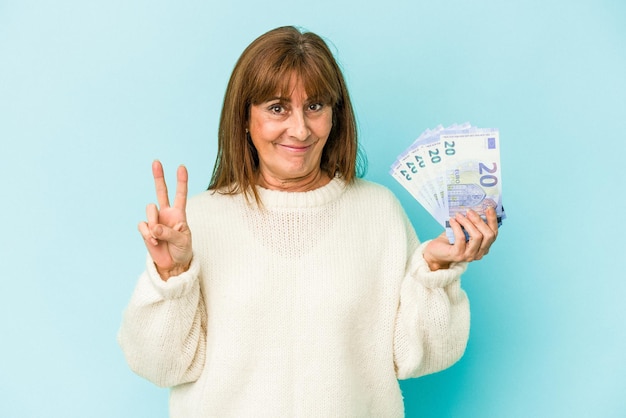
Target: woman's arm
point(432, 324)
point(163, 331)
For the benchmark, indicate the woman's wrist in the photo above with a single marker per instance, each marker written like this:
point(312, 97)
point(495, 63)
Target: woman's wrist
point(433, 264)
point(175, 270)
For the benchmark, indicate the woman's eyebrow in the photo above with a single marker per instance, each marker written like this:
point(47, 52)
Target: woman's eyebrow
point(279, 98)
point(288, 99)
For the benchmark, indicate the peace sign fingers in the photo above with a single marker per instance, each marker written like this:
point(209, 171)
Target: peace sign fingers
point(180, 199)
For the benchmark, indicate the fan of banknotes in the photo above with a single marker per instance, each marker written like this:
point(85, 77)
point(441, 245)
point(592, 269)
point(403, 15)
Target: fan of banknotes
point(451, 170)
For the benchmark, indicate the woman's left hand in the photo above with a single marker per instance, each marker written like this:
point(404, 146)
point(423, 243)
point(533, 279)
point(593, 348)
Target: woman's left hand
point(439, 253)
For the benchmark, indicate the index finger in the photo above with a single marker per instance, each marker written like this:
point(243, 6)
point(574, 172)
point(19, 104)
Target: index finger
point(159, 184)
point(180, 200)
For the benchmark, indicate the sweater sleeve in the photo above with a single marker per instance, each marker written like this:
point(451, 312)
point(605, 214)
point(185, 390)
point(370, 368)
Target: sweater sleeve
point(432, 323)
point(163, 331)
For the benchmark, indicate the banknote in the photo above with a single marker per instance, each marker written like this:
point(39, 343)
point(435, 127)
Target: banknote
point(452, 170)
point(473, 178)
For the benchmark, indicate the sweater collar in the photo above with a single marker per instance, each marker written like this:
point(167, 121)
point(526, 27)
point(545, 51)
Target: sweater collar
point(274, 199)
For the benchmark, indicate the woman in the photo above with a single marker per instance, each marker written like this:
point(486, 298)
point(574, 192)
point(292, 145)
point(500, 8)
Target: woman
point(306, 291)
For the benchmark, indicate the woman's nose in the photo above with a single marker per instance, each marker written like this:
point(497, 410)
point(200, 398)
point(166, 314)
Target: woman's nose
point(298, 126)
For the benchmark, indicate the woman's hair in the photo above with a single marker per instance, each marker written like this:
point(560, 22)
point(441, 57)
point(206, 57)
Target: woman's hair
point(264, 69)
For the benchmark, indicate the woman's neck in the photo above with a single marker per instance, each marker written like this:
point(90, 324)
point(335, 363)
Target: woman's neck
point(307, 183)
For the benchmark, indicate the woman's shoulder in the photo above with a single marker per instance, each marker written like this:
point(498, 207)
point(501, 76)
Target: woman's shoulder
point(204, 197)
point(374, 195)
point(210, 200)
point(371, 189)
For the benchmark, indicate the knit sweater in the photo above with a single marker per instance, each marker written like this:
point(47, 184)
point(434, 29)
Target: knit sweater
point(313, 306)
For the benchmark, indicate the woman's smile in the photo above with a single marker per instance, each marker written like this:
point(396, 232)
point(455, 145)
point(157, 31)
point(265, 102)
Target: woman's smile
point(295, 147)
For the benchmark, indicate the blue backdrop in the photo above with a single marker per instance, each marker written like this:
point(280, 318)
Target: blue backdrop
point(92, 92)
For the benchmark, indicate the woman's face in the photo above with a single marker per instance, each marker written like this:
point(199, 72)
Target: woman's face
point(289, 134)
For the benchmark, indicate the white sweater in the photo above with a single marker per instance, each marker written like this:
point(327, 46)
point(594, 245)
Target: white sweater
point(312, 307)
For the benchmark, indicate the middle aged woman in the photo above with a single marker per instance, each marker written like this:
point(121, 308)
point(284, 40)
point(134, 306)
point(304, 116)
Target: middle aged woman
point(306, 291)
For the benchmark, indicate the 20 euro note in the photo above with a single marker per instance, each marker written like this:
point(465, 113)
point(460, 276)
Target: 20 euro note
point(451, 170)
point(473, 176)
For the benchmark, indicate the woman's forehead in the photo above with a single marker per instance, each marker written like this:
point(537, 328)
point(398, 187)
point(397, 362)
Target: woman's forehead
point(297, 86)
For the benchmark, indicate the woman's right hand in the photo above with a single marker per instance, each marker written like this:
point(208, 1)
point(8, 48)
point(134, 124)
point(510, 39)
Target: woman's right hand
point(166, 233)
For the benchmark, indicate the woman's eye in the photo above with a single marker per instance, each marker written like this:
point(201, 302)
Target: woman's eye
point(316, 107)
point(276, 108)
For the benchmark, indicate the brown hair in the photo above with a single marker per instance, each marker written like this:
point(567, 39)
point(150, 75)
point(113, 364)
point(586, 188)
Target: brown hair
point(264, 69)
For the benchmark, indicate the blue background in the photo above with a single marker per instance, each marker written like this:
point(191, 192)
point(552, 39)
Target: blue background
point(92, 91)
